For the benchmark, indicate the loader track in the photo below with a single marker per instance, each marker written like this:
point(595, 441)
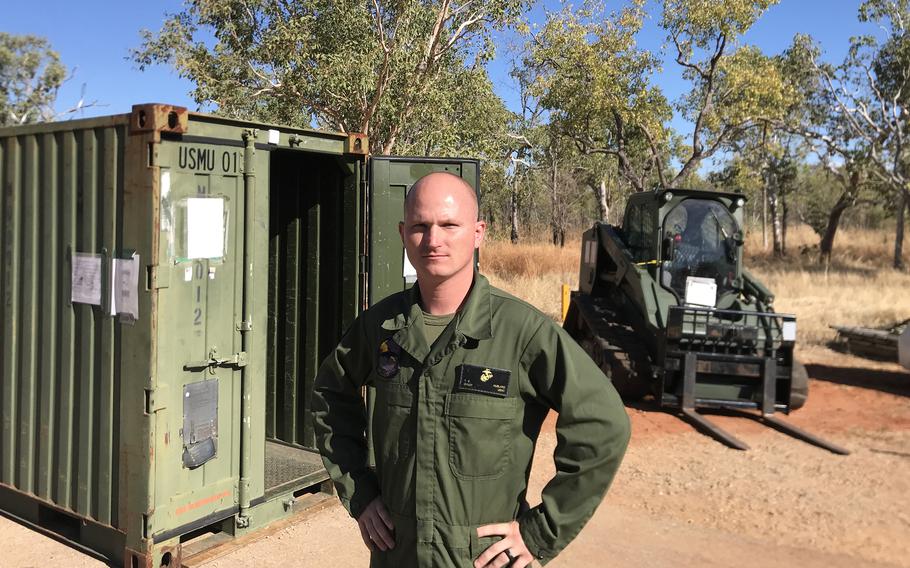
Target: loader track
point(614, 346)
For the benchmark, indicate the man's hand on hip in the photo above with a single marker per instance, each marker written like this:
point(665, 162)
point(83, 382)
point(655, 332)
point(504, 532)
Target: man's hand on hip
point(376, 527)
point(510, 551)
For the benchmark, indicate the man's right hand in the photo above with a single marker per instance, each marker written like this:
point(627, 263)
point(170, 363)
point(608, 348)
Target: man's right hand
point(376, 527)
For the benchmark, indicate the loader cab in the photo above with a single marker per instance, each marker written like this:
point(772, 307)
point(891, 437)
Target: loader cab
point(693, 239)
point(640, 229)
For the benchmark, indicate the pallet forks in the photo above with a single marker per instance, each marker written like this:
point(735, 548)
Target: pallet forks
point(766, 409)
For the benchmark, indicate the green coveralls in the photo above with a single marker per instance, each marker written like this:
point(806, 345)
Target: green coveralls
point(448, 461)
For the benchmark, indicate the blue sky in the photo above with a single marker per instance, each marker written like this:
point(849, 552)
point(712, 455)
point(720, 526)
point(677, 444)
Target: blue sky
point(95, 36)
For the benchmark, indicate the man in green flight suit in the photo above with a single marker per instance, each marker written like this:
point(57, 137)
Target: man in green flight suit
point(464, 376)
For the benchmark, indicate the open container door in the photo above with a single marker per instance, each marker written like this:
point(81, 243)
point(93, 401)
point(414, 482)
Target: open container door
point(390, 180)
point(387, 269)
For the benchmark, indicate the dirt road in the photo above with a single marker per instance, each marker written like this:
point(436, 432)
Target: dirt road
point(682, 499)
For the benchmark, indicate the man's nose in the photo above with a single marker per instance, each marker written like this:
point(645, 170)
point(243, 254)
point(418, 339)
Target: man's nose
point(431, 238)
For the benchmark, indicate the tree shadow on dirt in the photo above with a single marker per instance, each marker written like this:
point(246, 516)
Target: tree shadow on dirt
point(891, 382)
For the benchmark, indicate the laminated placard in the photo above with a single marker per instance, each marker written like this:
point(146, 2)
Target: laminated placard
point(701, 291)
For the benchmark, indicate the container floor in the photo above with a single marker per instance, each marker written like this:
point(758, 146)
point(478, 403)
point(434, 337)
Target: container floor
point(289, 467)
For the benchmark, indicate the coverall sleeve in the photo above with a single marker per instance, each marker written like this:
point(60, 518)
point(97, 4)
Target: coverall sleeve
point(340, 419)
point(592, 433)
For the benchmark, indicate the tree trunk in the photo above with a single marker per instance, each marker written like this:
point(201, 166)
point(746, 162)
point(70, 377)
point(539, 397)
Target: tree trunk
point(513, 212)
point(554, 205)
point(783, 225)
point(899, 233)
point(777, 229)
point(764, 218)
point(834, 216)
point(600, 193)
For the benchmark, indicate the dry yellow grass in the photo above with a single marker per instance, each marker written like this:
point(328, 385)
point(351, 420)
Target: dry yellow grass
point(858, 288)
point(535, 272)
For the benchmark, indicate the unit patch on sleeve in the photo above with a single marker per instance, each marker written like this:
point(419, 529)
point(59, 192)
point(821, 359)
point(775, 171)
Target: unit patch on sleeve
point(389, 355)
point(482, 380)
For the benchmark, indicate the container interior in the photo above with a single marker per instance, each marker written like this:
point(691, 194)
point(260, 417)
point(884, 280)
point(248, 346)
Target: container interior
point(312, 296)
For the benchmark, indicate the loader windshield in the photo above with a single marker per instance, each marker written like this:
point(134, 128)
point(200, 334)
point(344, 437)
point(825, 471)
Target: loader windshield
point(701, 239)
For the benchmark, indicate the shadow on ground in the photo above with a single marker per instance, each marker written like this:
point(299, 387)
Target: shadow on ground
point(61, 535)
point(892, 382)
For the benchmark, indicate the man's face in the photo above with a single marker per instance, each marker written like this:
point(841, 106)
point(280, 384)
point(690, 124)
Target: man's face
point(441, 230)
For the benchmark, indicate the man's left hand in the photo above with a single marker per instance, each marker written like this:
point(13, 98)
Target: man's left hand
point(496, 556)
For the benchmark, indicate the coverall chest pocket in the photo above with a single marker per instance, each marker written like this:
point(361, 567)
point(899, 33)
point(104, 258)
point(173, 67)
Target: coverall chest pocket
point(480, 434)
point(393, 422)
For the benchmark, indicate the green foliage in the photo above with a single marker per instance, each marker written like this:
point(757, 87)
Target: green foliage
point(472, 123)
point(817, 196)
point(31, 73)
point(734, 89)
point(701, 24)
point(394, 71)
point(891, 13)
point(869, 92)
point(597, 84)
point(892, 68)
point(738, 174)
point(748, 87)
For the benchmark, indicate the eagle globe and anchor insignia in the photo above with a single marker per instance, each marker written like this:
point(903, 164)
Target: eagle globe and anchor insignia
point(484, 380)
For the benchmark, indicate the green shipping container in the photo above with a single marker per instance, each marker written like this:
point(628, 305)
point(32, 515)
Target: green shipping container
point(169, 283)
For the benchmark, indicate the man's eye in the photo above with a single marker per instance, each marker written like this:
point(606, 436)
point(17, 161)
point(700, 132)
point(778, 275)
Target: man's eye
point(419, 227)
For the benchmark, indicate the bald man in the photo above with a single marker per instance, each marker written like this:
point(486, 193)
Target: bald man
point(464, 375)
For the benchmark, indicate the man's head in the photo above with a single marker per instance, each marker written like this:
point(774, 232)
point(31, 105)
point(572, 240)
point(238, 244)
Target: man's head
point(441, 228)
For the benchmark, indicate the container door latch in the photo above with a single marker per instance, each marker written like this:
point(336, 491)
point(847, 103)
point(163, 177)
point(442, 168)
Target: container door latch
point(236, 361)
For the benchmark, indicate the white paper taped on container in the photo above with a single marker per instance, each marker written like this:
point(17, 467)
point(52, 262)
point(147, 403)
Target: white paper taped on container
point(125, 287)
point(204, 227)
point(86, 279)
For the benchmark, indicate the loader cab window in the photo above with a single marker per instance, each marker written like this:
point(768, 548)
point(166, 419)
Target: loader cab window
point(640, 234)
point(701, 239)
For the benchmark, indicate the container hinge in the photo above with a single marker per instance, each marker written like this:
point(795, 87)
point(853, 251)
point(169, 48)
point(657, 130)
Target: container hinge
point(244, 326)
point(236, 361)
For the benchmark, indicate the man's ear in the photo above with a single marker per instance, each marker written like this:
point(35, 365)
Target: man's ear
point(480, 229)
point(401, 231)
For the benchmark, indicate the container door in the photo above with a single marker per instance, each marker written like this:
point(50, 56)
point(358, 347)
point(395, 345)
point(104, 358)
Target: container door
point(199, 343)
point(390, 180)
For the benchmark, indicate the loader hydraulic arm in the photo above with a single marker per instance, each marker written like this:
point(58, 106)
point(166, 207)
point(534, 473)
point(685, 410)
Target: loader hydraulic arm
point(752, 286)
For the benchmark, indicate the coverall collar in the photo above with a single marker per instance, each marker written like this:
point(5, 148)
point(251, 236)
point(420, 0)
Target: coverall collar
point(474, 319)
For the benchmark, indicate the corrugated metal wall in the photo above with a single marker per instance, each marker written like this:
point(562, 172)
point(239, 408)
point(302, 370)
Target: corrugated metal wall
point(60, 193)
point(311, 287)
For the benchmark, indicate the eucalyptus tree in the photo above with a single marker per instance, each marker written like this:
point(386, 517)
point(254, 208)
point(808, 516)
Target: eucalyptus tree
point(813, 114)
point(31, 74)
point(598, 84)
point(386, 69)
point(866, 98)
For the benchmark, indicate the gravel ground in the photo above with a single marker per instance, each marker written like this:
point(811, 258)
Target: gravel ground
point(781, 492)
point(683, 499)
